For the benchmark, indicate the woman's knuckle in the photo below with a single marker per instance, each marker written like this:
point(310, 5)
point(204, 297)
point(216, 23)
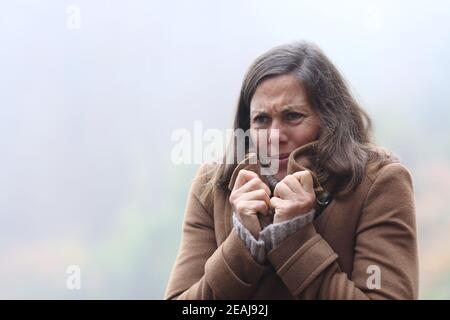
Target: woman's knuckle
point(260, 193)
point(254, 182)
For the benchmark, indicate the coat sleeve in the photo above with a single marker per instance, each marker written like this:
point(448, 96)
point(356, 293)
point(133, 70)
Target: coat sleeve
point(204, 270)
point(385, 244)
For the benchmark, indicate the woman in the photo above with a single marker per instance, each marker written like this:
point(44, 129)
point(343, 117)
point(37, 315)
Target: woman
point(337, 221)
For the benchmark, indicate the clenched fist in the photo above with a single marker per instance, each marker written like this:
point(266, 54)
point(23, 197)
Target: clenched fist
point(293, 196)
point(250, 196)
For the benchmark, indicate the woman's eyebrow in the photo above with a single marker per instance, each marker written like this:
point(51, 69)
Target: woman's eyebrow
point(258, 111)
point(294, 107)
point(287, 108)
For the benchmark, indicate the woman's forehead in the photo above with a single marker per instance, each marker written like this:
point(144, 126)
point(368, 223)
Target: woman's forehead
point(278, 94)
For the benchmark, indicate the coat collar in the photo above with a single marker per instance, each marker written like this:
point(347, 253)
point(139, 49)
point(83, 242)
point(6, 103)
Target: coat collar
point(302, 158)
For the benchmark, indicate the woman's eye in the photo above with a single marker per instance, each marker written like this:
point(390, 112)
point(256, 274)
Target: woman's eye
point(261, 119)
point(293, 116)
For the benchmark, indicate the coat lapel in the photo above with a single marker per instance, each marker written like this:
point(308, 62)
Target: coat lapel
point(302, 158)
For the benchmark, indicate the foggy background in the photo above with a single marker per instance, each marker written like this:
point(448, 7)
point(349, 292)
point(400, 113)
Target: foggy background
point(87, 113)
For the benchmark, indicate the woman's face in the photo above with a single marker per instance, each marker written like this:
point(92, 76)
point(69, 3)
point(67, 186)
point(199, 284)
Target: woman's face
point(280, 103)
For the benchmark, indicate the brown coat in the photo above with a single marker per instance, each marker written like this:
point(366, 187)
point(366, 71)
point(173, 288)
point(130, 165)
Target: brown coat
point(327, 259)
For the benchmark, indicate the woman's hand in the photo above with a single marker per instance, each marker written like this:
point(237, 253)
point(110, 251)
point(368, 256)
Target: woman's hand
point(293, 196)
point(250, 196)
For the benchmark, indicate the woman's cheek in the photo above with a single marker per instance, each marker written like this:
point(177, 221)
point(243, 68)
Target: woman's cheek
point(306, 132)
point(260, 139)
point(254, 137)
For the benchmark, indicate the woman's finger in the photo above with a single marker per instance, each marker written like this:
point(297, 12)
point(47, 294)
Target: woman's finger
point(243, 177)
point(306, 180)
point(282, 190)
point(254, 184)
point(257, 206)
point(276, 202)
point(259, 194)
point(293, 184)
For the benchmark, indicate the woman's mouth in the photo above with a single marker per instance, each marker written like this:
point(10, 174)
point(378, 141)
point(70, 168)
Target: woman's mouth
point(282, 159)
point(283, 156)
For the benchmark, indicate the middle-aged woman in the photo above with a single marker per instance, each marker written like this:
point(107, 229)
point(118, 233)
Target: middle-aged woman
point(337, 221)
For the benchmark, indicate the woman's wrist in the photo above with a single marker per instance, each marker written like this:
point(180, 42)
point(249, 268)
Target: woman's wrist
point(256, 246)
point(272, 235)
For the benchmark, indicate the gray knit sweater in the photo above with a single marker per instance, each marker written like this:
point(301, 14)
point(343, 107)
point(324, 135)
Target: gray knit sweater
point(272, 235)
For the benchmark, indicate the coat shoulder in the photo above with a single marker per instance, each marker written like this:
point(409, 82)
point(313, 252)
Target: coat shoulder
point(394, 170)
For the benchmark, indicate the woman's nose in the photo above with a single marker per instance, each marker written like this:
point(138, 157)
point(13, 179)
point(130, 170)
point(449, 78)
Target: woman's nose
point(277, 133)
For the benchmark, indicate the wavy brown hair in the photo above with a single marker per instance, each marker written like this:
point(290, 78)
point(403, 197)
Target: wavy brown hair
point(344, 146)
